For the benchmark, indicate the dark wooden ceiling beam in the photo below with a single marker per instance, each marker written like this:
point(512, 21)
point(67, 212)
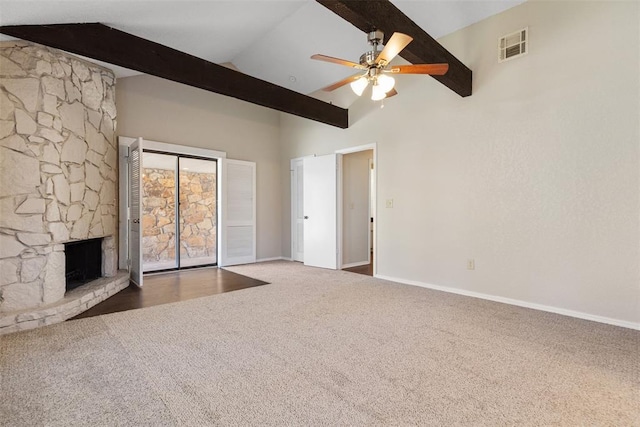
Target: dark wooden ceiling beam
point(116, 47)
point(383, 15)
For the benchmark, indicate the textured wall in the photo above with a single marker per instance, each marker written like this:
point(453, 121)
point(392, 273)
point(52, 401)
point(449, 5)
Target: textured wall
point(58, 168)
point(535, 176)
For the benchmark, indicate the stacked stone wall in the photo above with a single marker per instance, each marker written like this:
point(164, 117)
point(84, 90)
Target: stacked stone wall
point(197, 215)
point(158, 215)
point(58, 169)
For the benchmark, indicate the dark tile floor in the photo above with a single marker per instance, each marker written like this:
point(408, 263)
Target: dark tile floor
point(163, 288)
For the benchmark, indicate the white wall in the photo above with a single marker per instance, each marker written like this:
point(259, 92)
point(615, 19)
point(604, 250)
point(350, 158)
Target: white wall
point(355, 207)
point(165, 111)
point(535, 176)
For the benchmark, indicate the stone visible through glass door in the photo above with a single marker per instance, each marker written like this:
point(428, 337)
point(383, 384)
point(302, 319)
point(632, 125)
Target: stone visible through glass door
point(179, 207)
point(197, 212)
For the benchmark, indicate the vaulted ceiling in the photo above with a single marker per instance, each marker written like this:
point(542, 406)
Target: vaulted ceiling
point(268, 39)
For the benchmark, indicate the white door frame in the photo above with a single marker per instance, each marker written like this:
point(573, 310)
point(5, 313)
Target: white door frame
point(372, 203)
point(123, 148)
point(373, 195)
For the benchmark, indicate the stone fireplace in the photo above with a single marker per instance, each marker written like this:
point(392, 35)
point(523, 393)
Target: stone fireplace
point(58, 171)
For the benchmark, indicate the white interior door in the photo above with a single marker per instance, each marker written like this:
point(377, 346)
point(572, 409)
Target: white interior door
point(238, 205)
point(320, 211)
point(135, 234)
point(297, 210)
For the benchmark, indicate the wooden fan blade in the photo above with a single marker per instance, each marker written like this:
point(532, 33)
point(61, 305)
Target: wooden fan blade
point(391, 93)
point(342, 82)
point(394, 45)
point(431, 69)
point(338, 61)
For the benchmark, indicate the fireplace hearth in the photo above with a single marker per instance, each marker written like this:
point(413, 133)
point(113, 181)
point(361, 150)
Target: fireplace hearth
point(83, 262)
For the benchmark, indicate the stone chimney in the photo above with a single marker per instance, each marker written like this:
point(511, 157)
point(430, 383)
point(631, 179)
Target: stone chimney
point(58, 169)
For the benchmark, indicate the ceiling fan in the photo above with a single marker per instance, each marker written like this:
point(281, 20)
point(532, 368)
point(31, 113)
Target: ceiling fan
point(374, 66)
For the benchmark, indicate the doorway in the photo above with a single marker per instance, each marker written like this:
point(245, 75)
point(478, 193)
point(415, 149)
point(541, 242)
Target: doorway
point(321, 180)
point(178, 207)
point(357, 211)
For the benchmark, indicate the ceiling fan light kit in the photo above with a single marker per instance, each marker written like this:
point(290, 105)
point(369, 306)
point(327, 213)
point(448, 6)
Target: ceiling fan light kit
point(374, 63)
point(386, 83)
point(377, 94)
point(381, 84)
point(360, 85)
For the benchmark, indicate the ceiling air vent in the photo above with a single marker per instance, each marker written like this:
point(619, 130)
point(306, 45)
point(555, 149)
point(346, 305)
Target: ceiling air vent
point(513, 45)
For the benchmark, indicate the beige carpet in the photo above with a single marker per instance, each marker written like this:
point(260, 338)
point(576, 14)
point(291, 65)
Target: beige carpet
point(318, 347)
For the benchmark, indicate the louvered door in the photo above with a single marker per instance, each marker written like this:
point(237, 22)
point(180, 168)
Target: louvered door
point(238, 203)
point(135, 232)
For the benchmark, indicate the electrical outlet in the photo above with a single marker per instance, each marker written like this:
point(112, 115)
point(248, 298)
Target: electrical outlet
point(389, 203)
point(471, 264)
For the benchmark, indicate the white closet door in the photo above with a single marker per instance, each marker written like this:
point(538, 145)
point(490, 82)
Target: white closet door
point(297, 210)
point(135, 210)
point(321, 211)
point(238, 204)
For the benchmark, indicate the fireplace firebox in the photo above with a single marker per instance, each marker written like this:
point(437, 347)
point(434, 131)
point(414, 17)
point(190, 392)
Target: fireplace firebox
point(83, 262)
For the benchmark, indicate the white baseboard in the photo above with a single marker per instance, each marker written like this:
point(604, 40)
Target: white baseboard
point(355, 264)
point(277, 258)
point(541, 307)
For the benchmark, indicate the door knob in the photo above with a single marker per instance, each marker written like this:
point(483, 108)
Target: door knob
point(306, 217)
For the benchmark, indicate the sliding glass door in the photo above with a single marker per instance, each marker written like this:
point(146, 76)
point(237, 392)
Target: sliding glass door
point(197, 212)
point(179, 224)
